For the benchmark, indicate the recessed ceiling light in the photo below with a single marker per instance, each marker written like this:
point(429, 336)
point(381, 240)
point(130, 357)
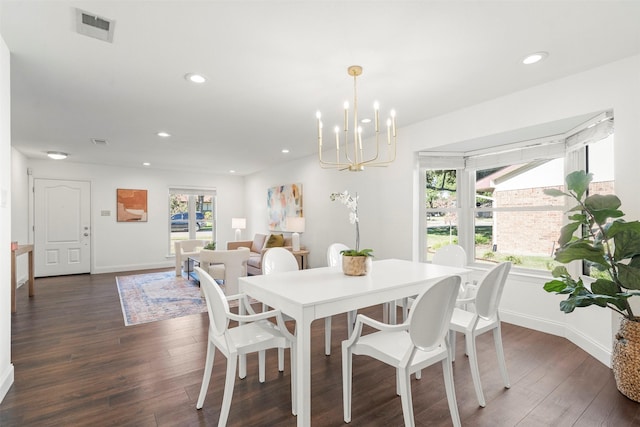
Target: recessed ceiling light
point(146, 164)
point(163, 134)
point(232, 171)
point(57, 155)
point(534, 57)
point(195, 78)
point(366, 120)
point(285, 151)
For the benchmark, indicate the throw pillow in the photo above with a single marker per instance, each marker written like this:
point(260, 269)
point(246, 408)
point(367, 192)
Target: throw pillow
point(258, 243)
point(275, 241)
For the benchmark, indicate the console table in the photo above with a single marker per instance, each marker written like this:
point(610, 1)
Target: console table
point(22, 249)
point(301, 257)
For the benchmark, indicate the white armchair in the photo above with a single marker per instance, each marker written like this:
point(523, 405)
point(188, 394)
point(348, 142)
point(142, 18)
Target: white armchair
point(226, 265)
point(186, 248)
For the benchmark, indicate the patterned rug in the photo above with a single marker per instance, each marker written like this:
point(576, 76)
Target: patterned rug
point(158, 296)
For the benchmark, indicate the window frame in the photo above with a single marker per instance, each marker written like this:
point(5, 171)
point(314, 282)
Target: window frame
point(192, 218)
point(571, 146)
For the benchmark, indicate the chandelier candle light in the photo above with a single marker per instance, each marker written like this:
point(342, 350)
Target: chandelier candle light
point(354, 153)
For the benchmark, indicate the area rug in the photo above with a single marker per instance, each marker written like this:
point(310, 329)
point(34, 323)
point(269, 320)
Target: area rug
point(158, 296)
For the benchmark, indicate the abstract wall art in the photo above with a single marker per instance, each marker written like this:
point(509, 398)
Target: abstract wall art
point(132, 205)
point(283, 201)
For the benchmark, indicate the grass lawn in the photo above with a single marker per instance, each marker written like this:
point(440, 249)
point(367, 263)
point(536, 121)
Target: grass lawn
point(442, 236)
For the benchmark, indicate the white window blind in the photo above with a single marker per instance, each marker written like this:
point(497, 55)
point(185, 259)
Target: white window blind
point(544, 148)
point(191, 191)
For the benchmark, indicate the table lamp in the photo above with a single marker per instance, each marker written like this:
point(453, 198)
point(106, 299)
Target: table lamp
point(239, 224)
point(295, 224)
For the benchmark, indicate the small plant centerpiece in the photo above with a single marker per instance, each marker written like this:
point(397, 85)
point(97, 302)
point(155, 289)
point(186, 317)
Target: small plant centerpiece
point(211, 246)
point(610, 244)
point(354, 261)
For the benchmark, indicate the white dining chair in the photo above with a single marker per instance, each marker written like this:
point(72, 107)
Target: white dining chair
point(483, 318)
point(449, 256)
point(278, 260)
point(334, 259)
point(254, 334)
point(415, 344)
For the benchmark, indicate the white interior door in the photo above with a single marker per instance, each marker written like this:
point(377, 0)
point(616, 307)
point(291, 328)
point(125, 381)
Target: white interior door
point(62, 231)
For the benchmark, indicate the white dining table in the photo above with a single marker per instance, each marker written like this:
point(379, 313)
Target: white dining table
point(307, 295)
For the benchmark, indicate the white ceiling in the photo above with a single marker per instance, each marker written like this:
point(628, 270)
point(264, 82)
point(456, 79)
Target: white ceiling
point(271, 64)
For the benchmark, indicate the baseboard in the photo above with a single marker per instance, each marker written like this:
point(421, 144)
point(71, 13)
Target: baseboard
point(132, 267)
point(536, 323)
point(6, 381)
point(587, 344)
point(602, 354)
point(21, 281)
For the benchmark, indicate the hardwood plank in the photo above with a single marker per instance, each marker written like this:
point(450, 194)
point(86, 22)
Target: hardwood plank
point(77, 364)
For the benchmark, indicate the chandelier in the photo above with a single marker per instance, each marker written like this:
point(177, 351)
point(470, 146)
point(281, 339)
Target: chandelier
point(353, 157)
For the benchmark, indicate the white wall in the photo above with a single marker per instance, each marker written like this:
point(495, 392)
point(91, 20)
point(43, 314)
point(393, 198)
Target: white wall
point(122, 246)
point(614, 86)
point(389, 201)
point(20, 211)
point(385, 199)
point(6, 367)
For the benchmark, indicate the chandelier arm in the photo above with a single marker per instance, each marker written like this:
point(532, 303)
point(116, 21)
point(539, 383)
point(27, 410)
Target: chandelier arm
point(346, 146)
point(355, 120)
point(355, 161)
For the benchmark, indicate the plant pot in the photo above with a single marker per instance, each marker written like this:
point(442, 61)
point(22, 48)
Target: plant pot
point(354, 265)
point(625, 359)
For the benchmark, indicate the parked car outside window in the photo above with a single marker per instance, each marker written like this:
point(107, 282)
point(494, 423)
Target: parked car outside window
point(180, 221)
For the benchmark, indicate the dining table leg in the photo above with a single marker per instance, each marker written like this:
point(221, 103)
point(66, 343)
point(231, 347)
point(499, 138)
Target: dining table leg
point(303, 359)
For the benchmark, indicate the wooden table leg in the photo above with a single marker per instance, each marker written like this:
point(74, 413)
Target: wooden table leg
point(31, 278)
point(13, 281)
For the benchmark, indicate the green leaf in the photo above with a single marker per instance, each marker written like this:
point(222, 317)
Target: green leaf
point(580, 250)
point(627, 245)
point(568, 305)
point(605, 287)
point(361, 252)
point(553, 192)
point(602, 202)
point(629, 275)
point(560, 271)
point(566, 232)
point(581, 218)
point(620, 225)
point(601, 216)
point(555, 286)
point(578, 182)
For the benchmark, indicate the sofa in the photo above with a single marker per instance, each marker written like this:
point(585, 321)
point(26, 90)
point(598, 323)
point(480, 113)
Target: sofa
point(258, 246)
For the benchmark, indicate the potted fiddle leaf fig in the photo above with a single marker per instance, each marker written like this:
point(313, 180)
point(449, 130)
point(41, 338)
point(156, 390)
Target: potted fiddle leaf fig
point(355, 262)
point(598, 235)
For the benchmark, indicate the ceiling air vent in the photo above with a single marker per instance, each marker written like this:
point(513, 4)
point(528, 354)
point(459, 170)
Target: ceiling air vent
point(99, 141)
point(94, 26)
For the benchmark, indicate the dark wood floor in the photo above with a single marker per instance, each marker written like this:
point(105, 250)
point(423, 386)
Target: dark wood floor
point(76, 364)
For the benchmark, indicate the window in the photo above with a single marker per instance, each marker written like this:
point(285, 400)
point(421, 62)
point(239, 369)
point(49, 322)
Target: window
point(514, 220)
point(600, 164)
point(492, 201)
point(191, 215)
point(441, 210)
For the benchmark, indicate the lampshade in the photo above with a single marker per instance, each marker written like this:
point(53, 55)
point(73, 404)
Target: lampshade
point(295, 224)
point(239, 223)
